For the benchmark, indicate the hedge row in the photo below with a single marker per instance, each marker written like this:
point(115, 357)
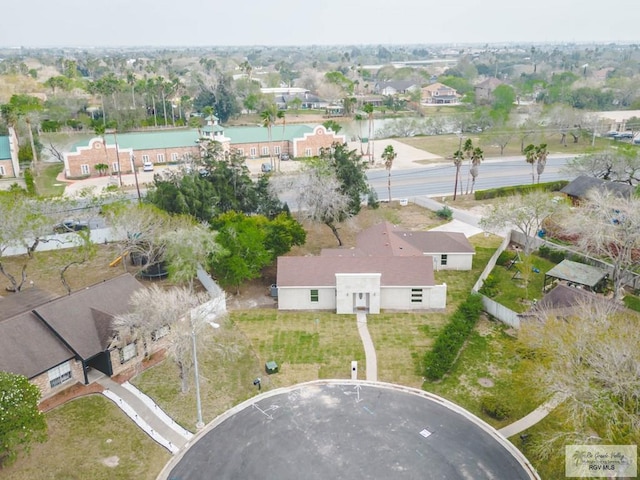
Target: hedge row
point(440, 358)
point(520, 189)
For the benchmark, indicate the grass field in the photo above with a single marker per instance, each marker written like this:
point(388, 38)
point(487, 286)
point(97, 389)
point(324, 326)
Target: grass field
point(90, 438)
point(46, 182)
point(446, 145)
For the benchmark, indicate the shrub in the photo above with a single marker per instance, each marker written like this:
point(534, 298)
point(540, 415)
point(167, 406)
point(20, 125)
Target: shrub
point(372, 199)
point(30, 182)
point(440, 358)
point(632, 302)
point(556, 256)
point(520, 189)
point(494, 407)
point(445, 213)
point(489, 287)
point(504, 258)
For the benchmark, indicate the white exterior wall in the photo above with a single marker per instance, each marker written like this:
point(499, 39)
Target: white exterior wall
point(455, 261)
point(299, 298)
point(399, 298)
point(350, 284)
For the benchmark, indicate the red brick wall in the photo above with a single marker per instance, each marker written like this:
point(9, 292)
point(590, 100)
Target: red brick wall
point(8, 169)
point(320, 138)
point(95, 154)
point(285, 147)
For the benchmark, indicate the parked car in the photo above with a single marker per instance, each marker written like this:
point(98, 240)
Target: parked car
point(266, 167)
point(70, 226)
point(147, 167)
point(622, 135)
point(284, 156)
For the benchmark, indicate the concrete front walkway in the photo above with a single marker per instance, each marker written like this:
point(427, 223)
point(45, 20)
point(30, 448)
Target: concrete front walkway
point(369, 350)
point(146, 414)
point(533, 418)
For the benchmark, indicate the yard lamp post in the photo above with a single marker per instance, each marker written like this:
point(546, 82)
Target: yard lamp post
point(200, 422)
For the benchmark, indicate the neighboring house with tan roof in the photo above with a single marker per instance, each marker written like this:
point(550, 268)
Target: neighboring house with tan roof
point(439, 94)
point(390, 268)
point(56, 342)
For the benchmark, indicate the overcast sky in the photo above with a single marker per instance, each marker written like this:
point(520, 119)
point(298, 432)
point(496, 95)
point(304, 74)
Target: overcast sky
point(45, 23)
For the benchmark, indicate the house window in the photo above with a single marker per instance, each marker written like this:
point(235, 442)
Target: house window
point(265, 150)
point(60, 374)
point(128, 352)
point(314, 295)
point(240, 152)
point(114, 167)
point(443, 259)
point(161, 332)
point(416, 295)
point(253, 152)
point(319, 151)
point(83, 168)
point(174, 157)
point(307, 152)
point(145, 158)
point(160, 157)
point(276, 150)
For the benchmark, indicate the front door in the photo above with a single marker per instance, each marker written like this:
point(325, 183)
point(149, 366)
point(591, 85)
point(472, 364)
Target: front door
point(361, 301)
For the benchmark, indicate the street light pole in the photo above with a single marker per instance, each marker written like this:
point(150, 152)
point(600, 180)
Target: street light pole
point(199, 423)
point(135, 174)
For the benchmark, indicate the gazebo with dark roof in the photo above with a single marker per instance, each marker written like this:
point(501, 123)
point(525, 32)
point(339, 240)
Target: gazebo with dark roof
point(577, 274)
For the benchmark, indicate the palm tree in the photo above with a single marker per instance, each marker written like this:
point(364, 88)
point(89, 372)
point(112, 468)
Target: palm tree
point(368, 109)
point(269, 116)
point(476, 157)
point(101, 168)
point(389, 156)
point(542, 153)
point(468, 153)
point(530, 155)
point(458, 157)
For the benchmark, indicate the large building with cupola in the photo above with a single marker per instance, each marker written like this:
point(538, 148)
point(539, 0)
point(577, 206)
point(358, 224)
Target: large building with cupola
point(122, 151)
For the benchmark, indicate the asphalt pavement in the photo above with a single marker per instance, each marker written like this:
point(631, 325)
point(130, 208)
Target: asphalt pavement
point(341, 429)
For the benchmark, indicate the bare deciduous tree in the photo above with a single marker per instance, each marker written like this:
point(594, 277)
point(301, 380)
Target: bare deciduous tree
point(176, 314)
point(608, 226)
point(590, 359)
point(524, 213)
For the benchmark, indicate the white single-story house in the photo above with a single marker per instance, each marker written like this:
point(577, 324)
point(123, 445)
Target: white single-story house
point(348, 284)
point(389, 268)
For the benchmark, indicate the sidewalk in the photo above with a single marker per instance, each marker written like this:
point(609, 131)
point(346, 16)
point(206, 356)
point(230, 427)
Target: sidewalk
point(534, 417)
point(369, 350)
point(156, 425)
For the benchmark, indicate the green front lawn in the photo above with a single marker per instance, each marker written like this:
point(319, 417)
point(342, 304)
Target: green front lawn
point(90, 438)
point(47, 184)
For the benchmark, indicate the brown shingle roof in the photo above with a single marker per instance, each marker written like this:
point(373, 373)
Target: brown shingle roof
point(320, 271)
point(385, 239)
point(380, 240)
point(563, 300)
point(437, 242)
point(83, 318)
point(28, 347)
point(23, 301)
point(580, 187)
